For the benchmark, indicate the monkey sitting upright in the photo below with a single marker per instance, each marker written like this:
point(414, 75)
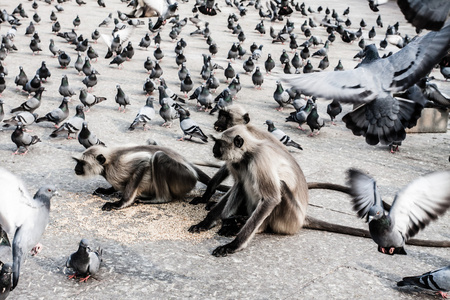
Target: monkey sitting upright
point(274, 198)
point(156, 173)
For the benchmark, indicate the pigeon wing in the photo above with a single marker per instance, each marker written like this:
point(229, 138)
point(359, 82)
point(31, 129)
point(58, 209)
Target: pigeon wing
point(421, 201)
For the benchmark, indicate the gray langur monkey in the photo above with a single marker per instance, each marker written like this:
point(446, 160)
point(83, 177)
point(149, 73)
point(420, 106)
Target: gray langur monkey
point(154, 173)
point(274, 198)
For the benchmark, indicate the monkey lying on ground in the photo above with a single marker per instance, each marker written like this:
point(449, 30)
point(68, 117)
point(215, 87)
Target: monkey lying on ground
point(274, 198)
point(156, 173)
point(234, 218)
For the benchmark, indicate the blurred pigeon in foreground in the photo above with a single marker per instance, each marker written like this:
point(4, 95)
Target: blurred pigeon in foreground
point(281, 136)
point(24, 217)
point(85, 262)
point(438, 280)
point(425, 14)
point(420, 202)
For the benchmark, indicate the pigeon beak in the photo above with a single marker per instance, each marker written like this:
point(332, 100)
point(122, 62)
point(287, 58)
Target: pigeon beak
point(369, 219)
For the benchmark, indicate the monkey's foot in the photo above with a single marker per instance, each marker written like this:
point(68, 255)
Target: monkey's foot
point(202, 226)
point(111, 205)
point(444, 295)
point(224, 250)
point(232, 225)
point(197, 200)
point(85, 278)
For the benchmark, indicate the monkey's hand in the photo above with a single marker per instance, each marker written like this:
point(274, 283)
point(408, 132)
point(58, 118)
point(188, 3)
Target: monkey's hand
point(103, 191)
point(232, 225)
point(225, 249)
point(198, 200)
point(112, 205)
point(202, 226)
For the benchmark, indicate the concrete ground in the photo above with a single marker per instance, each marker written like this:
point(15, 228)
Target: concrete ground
point(148, 252)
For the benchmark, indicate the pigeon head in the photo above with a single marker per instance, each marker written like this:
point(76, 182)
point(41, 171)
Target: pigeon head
point(44, 194)
point(376, 212)
point(84, 243)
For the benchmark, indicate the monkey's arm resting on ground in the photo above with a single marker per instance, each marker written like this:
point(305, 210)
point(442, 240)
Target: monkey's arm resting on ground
point(220, 176)
point(130, 191)
point(212, 216)
point(104, 191)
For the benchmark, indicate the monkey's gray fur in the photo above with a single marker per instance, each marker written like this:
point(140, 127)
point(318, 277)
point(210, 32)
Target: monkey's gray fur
point(274, 198)
point(155, 173)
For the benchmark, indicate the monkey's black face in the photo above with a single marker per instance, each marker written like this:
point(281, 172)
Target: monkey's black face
point(218, 148)
point(79, 167)
point(223, 121)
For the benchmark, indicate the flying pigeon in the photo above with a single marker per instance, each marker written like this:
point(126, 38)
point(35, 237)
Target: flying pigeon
point(421, 201)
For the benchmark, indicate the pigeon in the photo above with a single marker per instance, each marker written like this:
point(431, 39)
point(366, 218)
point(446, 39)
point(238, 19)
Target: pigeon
point(91, 80)
point(281, 136)
point(89, 99)
point(73, 125)
point(190, 127)
point(43, 72)
point(21, 79)
point(87, 138)
point(23, 217)
point(430, 14)
point(186, 85)
point(281, 96)
point(85, 262)
point(257, 78)
point(95, 35)
point(314, 121)
point(148, 64)
point(162, 8)
point(31, 104)
point(121, 98)
point(23, 139)
point(64, 89)
point(145, 114)
point(53, 48)
point(224, 99)
point(167, 112)
point(25, 117)
point(269, 64)
point(92, 54)
point(149, 86)
point(33, 85)
point(205, 98)
point(145, 41)
point(58, 114)
point(156, 72)
point(364, 84)
point(437, 280)
point(248, 65)
point(421, 201)
point(301, 115)
point(106, 21)
point(333, 109)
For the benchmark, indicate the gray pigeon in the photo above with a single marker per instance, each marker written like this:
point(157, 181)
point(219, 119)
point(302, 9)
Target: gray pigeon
point(23, 217)
point(314, 121)
point(85, 262)
point(89, 99)
point(281, 96)
point(167, 112)
point(25, 117)
point(333, 109)
point(23, 139)
point(437, 280)
point(190, 127)
point(300, 116)
point(420, 202)
point(145, 114)
point(21, 79)
point(257, 78)
point(79, 63)
point(31, 104)
point(87, 138)
point(281, 136)
point(205, 98)
point(33, 85)
point(58, 114)
point(64, 89)
point(121, 98)
point(73, 125)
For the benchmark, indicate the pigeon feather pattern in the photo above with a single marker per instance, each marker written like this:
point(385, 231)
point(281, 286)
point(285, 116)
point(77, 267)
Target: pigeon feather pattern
point(365, 83)
point(420, 202)
point(437, 280)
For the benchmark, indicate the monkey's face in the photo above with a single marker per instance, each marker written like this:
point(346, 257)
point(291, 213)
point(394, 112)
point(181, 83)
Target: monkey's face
point(229, 148)
point(223, 122)
point(90, 164)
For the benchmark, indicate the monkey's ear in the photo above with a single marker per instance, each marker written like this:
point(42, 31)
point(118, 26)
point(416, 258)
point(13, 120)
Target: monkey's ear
point(246, 118)
point(213, 137)
point(238, 141)
point(101, 159)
